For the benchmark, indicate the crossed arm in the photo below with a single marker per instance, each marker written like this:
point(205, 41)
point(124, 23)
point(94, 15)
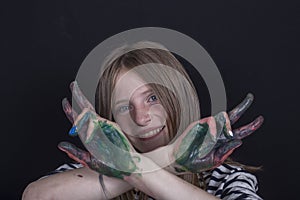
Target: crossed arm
point(83, 183)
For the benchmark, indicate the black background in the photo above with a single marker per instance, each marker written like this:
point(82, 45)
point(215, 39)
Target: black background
point(255, 45)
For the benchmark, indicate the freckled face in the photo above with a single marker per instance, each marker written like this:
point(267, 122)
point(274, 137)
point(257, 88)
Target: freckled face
point(139, 113)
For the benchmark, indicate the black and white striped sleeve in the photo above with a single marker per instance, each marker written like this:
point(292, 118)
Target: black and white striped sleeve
point(229, 182)
point(64, 167)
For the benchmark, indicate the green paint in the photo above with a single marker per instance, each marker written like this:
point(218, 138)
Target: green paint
point(83, 121)
point(189, 147)
point(114, 149)
point(222, 131)
point(197, 149)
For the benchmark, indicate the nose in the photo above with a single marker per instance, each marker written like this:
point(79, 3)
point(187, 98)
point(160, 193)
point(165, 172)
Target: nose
point(141, 116)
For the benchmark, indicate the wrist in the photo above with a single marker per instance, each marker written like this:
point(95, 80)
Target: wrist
point(145, 177)
point(114, 187)
point(162, 156)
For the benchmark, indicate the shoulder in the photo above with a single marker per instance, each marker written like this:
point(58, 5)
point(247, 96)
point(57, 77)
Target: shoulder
point(231, 182)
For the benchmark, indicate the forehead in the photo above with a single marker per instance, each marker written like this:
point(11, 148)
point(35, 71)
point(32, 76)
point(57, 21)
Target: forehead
point(127, 83)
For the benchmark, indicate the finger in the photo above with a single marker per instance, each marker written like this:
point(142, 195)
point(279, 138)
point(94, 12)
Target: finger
point(90, 131)
point(81, 123)
point(223, 125)
point(79, 97)
point(215, 157)
point(69, 111)
point(75, 153)
point(225, 150)
point(83, 157)
point(210, 121)
point(237, 112)
point(246, 130)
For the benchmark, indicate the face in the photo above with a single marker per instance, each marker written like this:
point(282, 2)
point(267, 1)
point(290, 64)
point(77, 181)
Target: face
point(139, 113)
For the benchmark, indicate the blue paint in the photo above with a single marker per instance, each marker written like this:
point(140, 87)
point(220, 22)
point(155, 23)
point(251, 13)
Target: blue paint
point(73, 131)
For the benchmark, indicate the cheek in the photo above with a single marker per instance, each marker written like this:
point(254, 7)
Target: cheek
point(124, 121)
point(119, 119)
point(159, 111)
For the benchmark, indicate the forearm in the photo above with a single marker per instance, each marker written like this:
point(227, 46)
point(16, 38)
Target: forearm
point(81, 183)
point(161, 184)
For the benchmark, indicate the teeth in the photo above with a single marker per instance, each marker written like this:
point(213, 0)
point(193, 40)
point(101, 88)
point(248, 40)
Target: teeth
point(151, 133)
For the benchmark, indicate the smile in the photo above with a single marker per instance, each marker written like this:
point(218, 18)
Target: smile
point(152, 133)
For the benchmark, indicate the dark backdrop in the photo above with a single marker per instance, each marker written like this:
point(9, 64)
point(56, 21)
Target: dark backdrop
point(254, 43)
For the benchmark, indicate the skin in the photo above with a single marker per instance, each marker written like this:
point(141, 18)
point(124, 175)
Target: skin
point(137, 111)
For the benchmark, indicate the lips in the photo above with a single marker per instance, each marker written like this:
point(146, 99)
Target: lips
point(151, 134)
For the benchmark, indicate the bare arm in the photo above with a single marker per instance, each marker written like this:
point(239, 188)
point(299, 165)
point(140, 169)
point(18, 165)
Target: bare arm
point(82, 183)
point(161, 184)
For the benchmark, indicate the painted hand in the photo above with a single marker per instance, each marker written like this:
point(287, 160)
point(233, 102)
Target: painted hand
point(207, 143)
point(109, 151)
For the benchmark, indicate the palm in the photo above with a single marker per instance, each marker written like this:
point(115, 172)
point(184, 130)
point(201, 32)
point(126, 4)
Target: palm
point(110, 152)
point(207, 143)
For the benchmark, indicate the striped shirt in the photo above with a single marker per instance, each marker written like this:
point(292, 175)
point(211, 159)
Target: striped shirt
point(225, 182)
point(231, 182)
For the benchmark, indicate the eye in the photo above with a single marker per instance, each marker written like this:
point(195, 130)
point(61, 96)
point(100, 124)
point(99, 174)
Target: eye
point(123, 109)
point(152, 98)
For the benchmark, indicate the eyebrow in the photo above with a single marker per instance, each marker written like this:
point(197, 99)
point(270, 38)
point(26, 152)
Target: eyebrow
point(149, 90)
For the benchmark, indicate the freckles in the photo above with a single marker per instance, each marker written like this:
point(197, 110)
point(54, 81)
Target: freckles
point(159, 111)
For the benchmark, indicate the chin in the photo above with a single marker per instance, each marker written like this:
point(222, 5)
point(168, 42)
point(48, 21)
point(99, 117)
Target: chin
point(146, 145)
point(149, 148)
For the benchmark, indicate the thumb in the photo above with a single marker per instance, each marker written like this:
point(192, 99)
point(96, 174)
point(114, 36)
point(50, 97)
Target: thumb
point(75, 153)
point(225, 150)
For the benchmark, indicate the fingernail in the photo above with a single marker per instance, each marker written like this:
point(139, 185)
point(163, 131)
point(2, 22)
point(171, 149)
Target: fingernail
point(73, 131)
point(250, 95)
point(74, 83)
point(230, 133)
point(65, 104)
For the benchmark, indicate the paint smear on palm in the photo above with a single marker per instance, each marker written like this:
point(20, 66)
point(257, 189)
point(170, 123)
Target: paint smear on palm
point(107, 144)
point(200, 141)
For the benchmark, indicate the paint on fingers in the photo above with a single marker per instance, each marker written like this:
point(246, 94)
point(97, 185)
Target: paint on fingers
point(246, 130)
point(239, 110)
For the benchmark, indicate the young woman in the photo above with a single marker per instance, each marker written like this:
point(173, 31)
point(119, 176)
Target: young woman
point(146, 140)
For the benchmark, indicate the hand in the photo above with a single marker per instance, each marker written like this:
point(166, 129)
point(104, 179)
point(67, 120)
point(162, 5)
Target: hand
point(110, 152)
point(207, 143)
